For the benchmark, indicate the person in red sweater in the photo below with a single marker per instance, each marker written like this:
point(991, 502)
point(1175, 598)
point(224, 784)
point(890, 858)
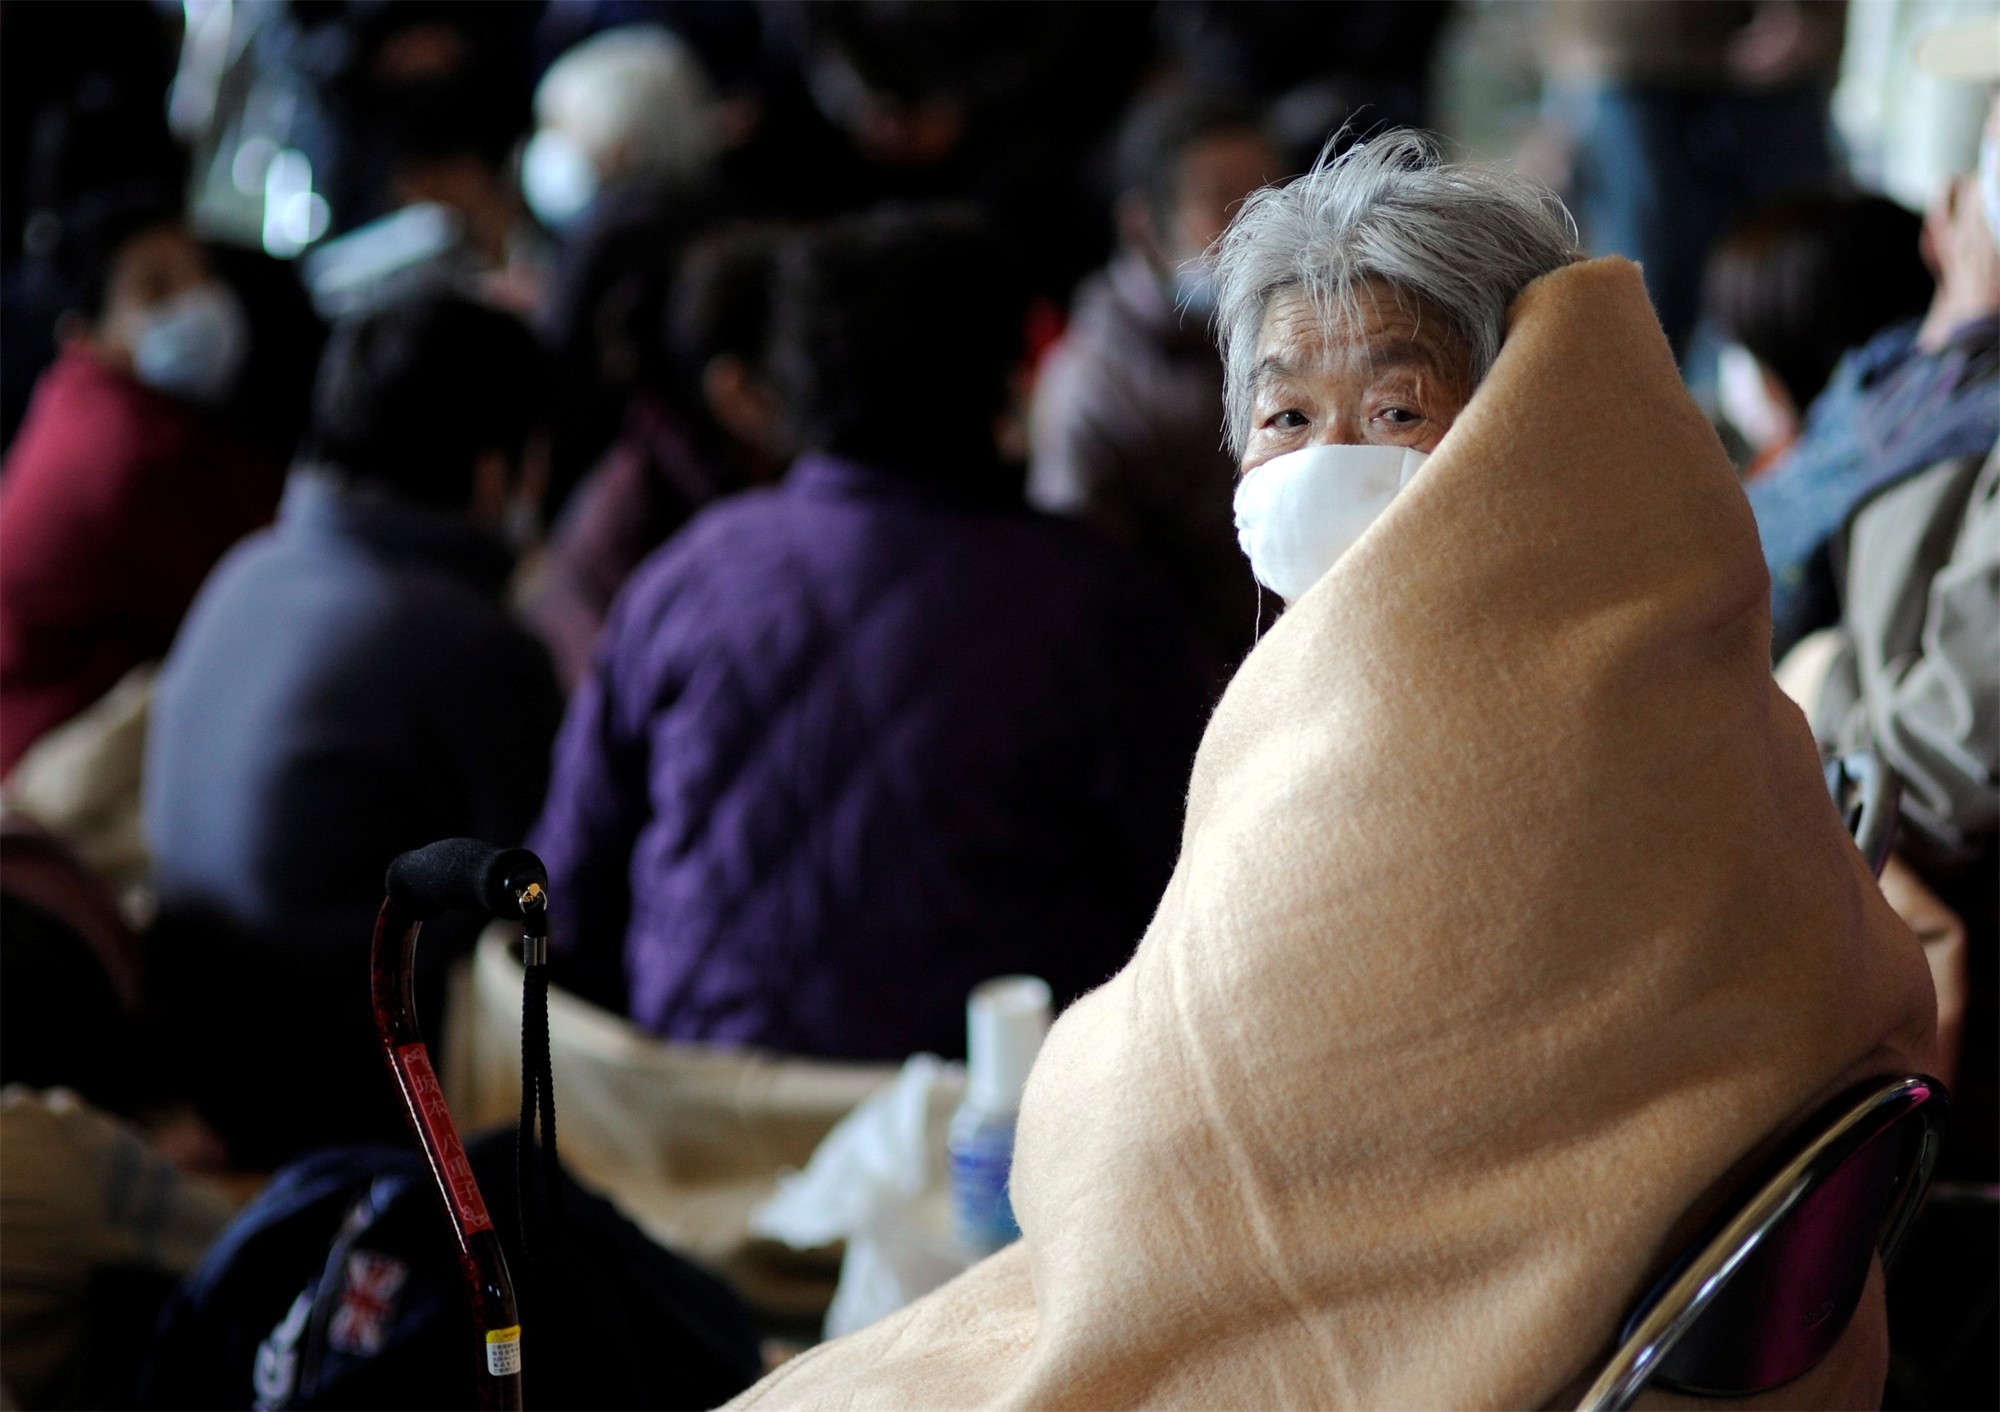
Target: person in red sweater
point(123, 486)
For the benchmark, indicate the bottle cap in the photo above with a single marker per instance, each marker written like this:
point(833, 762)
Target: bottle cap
point(1006, 1020)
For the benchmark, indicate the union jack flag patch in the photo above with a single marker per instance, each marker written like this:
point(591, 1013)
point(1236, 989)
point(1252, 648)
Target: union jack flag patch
point(367, 1303)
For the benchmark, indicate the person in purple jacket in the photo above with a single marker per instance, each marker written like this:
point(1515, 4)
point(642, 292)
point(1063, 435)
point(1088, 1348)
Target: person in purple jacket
point(852, 744)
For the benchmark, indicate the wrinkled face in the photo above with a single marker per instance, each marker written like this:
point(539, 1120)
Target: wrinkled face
point(1395, 379)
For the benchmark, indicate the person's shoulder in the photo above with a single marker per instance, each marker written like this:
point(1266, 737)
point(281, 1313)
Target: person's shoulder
point(249, 570)
point(243, 600)
point(90, 427)
point(744, 511)
point(719, 547)
point(79, 380)
point(715, 537)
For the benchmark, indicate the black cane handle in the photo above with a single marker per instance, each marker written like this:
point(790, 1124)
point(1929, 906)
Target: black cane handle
point(466, 875)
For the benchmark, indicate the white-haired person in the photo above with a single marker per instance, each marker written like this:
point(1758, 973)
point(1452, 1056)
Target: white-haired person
point(1360, 307)
point(1123, 422)
point(627, 105)
point(1511, 917)
point(620, 169)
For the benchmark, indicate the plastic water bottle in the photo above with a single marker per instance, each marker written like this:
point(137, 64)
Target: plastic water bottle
point(1005, 1022)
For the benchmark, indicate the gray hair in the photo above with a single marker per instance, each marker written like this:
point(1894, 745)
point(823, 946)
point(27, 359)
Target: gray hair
point(635, 84)
point(1459, 241)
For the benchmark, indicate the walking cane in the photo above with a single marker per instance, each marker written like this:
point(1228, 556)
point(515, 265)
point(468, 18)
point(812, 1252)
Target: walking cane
point(460, 874)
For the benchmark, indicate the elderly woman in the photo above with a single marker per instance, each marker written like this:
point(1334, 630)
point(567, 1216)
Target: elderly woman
point(1510, 916)
point(1360, 307)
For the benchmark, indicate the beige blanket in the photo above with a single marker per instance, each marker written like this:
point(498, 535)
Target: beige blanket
point(1511, 913)
point(686, 1139)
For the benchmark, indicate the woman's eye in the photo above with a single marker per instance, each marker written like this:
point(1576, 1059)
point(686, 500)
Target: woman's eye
point(1290, 419)
point(1400, 416)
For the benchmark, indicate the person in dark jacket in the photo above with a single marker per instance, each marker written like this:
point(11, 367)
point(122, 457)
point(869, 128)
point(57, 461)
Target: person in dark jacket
point(1128, 409)
point(853, 744)
point(348, 685)
point(712, 429)
point(126, 482)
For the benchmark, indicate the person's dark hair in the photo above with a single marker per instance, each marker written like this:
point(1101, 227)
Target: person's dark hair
point(721, 303)
point(92, 233)
point(894, 339)
point(410, 395)
point(1802, 280)
point(1159, 130)
point(951, 49)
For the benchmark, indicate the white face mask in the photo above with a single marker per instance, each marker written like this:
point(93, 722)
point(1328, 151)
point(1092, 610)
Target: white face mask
point(1298, 513)
point(1746, 398)
point(557, 178)
point(1989, 183)
point(192, 346)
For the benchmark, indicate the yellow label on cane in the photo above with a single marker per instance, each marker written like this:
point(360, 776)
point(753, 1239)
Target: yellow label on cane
point(503, 1351)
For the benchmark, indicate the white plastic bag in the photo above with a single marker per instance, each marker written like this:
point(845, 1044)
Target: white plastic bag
point(878, 1181)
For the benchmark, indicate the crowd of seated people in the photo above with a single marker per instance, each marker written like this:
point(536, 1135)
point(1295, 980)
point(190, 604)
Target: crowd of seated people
point(795, 482)
point(348, 685)
point(126, 482)
point(887, 658)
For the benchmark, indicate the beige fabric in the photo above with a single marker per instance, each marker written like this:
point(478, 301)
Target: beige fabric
point(1802, 675)
point(81, 782)
point(1511, 913)
point(81, 1192)
point(1942, 932)
point(686, 1139)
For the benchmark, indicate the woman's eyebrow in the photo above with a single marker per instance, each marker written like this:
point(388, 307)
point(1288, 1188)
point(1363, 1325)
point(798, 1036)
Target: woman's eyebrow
point(1273, 368)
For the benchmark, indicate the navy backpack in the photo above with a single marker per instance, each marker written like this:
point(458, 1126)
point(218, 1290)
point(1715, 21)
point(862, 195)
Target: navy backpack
point(339, 1286)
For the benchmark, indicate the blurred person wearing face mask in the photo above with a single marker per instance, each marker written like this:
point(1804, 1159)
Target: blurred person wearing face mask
point(1791, 290)
point(620, 170)
point(347, 685)
point(1126, 425)
point(627, 105)
point(1915, 676)
point(125, 482)
point(1916, 394)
